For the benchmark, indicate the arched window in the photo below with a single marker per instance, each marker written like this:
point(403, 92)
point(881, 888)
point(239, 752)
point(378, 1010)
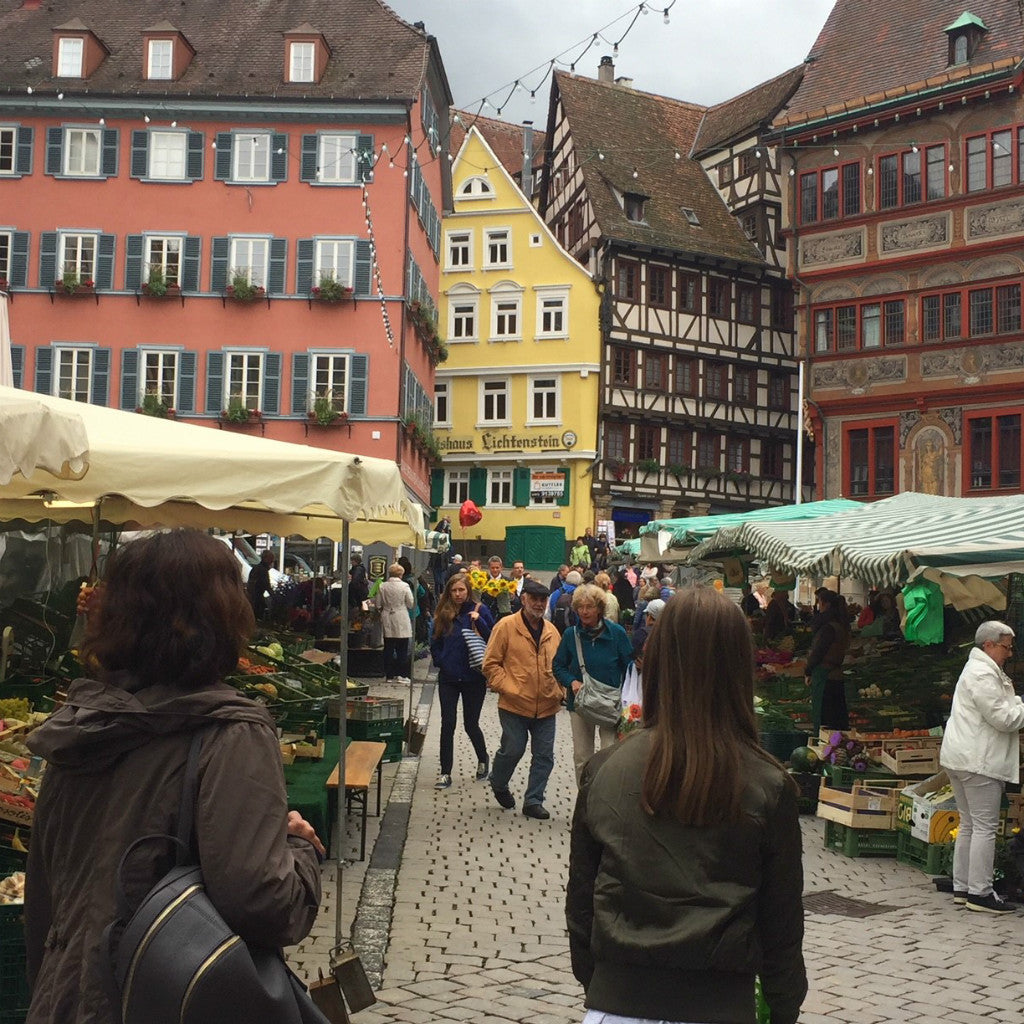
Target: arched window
point(477, 187)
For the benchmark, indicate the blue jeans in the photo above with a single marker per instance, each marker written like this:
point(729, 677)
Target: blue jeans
point(515, 730)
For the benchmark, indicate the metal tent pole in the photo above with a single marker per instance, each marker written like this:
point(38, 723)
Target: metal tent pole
point(339, 831)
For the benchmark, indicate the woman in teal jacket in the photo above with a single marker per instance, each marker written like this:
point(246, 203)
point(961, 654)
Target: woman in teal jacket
point(607, 653)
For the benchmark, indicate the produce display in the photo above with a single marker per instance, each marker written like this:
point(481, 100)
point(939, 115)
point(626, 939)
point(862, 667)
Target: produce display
point(12, 888)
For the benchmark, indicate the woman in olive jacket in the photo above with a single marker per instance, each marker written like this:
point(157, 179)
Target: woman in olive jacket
point(170, 623)
point(685, 874)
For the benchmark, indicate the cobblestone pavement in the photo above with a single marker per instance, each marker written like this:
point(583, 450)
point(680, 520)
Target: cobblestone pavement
point(462, 918)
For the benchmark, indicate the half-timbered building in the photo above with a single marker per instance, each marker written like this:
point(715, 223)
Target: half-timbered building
point(904, 148)
point(674, 209)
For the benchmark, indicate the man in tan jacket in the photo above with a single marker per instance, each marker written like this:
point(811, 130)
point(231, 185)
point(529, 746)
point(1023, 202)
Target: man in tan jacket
point(518, 668)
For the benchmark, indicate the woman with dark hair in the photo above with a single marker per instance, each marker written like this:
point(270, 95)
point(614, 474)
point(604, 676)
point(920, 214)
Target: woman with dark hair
point(685, 875)
point(456, 678)
point(168, 625)
point(824, 672)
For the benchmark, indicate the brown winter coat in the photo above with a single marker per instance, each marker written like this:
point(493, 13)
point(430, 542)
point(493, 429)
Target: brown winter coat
point(116, 755)
point(520, 672)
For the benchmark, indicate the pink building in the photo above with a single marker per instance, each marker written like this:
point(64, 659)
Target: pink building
point(186, 201)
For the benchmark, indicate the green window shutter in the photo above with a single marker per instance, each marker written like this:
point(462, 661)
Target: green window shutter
point(195, 156)
point(24, 158)
point(187, 382)
point(140, 154)
point(279, 157)
point(222, 165)
point(478, 486)
point(214, 382)
point(566, 496)
point(278, 262)
point(130, 379)
point(133, 248)
point(18, 277)
point(17, 363)
point(364, 266)
point(272, 383)
point(100, 376)
point(358, 371)
point(44, 371)
point(300, 383)
point(307, 168)
point(108, 160)
point(437, 487)
point(521, 486)
point(54, 150)
point(105, 263)
point(304, 251)
point(47, 261)
point(190, 264)
point(364, 158)
point(220, 248)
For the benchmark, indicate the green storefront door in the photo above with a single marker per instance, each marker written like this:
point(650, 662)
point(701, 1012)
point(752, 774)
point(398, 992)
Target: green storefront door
point(537, 547)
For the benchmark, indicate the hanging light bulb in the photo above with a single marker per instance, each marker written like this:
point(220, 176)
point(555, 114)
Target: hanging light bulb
point(103, 120)
point(60, 95)
point(600, 156)
point(145, 117)
point(677, 155)
point(174, 124)
point(665, 19)
point(835, 151)
point(615, 53)
point(533, 95)
point(913, 148)
point(757, 153)
point(29, 90)
point(636, 173)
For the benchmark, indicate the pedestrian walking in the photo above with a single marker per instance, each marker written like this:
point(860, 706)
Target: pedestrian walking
point(517, 666)
point(259, 586)
point(456, 677)
point(685, 873)
point(606, 654)
point(579, 555)
point(394, 602)
point(980, 752)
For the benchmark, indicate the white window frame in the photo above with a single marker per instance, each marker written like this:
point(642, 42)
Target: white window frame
point(70, 56)
point(159, 374)
point(78, 258)
point(166, 253)
point(506, 301)
point(458, 247)
point(329, 260)
point(463, 305)
point(337, 159)
point(176, 154)
point(73, 362)
point(245, 247)
point(499, 488)
point(494, 398)
point(160, 60)
point(560, 296)
point(84, 169)
point(331, 374)
point(456, 486)
point(548, 387)
point(301, 61)
point(497, 237)
point(442, 403)
point(249, 151)
point(478, 187)
point(6, 247)
point(9, 141)
point(244, 377)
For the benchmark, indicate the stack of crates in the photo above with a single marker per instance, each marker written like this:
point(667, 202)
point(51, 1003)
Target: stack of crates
point(14, 990)
point(380, 719)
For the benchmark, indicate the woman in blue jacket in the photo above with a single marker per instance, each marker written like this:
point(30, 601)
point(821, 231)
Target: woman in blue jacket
point(456, 678)
point(606, 653)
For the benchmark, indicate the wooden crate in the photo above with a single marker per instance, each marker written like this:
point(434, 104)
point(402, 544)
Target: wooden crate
point(917, 755)
point(867, 804)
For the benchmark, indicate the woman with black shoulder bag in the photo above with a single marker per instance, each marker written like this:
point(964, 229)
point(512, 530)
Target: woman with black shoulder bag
point(461, 630)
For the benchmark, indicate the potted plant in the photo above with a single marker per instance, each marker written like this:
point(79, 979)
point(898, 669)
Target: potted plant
point(154, 405)
point(323, 413)
point(242, 289)
point(330, 290)
point(676, 469)
point(616, 467)
point(157, 285)
point(648, 465)
point(238, 412)
point(71, 284)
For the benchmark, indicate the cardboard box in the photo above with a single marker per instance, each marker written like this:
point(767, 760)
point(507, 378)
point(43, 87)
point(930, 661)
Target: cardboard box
point(927, 810)
point(918, 755)
point(867, 804)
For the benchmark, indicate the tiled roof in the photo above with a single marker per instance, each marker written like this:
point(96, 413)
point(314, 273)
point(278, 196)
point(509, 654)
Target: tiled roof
point(239, 47)
point(744, 114)
point(627, 140)
point(873, 50)
point(504, 138)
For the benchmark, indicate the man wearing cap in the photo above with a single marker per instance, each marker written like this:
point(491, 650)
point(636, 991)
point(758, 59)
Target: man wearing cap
point(517, 667)
point(641, 629)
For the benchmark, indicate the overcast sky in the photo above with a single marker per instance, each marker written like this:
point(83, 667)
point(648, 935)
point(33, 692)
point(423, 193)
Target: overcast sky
point(709, 51)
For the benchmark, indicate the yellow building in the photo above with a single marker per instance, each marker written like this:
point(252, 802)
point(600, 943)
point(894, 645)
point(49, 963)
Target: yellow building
point(515, 407)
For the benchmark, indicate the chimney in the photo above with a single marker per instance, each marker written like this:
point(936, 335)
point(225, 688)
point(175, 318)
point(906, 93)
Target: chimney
point(527, 182)
point(606, 70)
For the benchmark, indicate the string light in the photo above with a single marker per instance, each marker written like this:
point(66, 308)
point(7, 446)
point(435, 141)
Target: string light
point(375, 269)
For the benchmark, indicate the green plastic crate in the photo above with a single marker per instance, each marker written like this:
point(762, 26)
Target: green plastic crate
point(860, 842)
point(926, 857)
point(386, 729)
point(14, 990)
point(393, 749)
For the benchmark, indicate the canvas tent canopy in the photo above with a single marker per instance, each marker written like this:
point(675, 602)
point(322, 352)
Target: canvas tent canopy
point(886, 542)
point(35, 437)
point(145, 472)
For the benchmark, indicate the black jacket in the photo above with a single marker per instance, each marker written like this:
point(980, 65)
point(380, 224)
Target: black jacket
point(672, 922)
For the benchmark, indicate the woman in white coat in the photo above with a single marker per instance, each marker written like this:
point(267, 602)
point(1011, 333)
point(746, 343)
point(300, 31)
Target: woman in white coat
point(394, 599)
point(981, 753)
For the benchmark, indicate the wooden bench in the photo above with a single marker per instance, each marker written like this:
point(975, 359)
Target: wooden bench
point(362, 759)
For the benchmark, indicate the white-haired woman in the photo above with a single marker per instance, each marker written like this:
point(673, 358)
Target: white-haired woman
point(981, 753)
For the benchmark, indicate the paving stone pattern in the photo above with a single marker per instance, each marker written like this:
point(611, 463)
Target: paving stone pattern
point(471, 925)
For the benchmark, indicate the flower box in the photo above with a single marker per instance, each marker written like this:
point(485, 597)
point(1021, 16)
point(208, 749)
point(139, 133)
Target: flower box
point(339, 419)
point(161, 292)
point(249, 293)
point(75, 287)
point(331, 294)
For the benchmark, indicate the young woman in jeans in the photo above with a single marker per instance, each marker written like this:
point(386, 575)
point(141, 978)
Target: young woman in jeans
point(456, 677)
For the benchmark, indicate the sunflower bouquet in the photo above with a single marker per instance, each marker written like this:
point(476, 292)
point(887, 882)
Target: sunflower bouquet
point(478, 579)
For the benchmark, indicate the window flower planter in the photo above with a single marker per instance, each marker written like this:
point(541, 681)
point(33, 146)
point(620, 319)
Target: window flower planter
point(161, 291)
point(318, 418)
point(73, 286)
point(247, 294)
point(330, 293)
point(648, 465)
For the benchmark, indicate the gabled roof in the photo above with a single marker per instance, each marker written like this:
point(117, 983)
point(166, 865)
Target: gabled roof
point(627, 141)
point(873, 50)
point(504, 139)
point(238, 45)
point(743, 115)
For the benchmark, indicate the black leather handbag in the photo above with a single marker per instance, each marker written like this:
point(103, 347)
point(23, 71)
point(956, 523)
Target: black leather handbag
point(175, 961)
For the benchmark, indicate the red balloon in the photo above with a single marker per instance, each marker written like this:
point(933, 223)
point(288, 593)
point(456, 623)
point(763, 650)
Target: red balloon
point(469, 514)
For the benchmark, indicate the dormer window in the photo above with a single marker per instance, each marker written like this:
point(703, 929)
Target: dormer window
point(477, 187)
point(965, 35)
point(300, 64)
point(691, 216)
point(70, 52)
point(160, 59)
point(633, 205)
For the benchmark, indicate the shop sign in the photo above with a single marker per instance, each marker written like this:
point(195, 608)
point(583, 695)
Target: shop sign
point(546, 484)
point(490, 441)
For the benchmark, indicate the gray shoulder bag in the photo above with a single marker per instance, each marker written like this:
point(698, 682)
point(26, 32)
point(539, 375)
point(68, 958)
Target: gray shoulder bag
point(597, 702)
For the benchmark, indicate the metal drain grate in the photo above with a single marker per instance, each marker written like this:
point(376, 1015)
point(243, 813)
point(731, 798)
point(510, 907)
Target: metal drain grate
point(842, 906)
